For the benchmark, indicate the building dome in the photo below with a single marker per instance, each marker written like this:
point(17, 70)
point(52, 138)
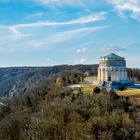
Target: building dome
point(113, 56)
point(112, 60)
point(112, 68)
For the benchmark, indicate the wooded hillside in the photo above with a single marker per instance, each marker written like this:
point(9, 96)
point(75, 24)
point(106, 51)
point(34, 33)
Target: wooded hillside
point(51, 111)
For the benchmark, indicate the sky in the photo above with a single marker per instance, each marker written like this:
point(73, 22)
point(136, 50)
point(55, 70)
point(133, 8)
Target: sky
point(55, 32)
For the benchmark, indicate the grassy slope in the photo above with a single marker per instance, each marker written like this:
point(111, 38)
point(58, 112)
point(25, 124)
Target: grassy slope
point(129, 92)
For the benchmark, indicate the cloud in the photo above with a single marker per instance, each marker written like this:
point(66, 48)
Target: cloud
point(63, 2)
point(83, 20)
point(57, 38)
point(80, 61)
point(122, 6)
point(9, 34)
point(33, 36)
point(36, 15)
point(81, 50)
point(113, 48)
point(44, 34)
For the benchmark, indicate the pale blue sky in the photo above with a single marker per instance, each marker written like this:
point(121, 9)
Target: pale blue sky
point(51, 32)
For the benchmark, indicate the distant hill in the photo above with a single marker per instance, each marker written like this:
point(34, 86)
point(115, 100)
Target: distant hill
point(19, 79)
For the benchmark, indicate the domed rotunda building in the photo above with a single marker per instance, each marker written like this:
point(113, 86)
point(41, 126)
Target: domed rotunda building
point(112, 68)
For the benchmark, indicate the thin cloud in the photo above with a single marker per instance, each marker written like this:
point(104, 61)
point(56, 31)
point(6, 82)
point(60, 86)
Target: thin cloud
point(122, 6)
point(87, 19)
point(113, 48)
point(81, 50)
point(59, 3)
point(36, 15)
point(59, 37)
point(80, 61)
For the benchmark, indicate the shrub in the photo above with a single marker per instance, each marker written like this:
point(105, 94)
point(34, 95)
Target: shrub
point(96, 90)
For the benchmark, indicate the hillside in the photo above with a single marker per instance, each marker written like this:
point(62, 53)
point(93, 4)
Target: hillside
point(20, 79)
point(51, 111)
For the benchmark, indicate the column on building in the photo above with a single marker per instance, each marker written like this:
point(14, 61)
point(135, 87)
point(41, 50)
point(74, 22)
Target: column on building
point(113, 73)
point(116, 74)
point(123, 74)
point(126, 74)
point(120, 74)
point(102, 75)
point(99, 73)
point(110, 68)
point(109, 73)
point(106, 74)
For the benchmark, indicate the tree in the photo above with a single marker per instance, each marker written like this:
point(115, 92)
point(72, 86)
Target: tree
point(113, 94)
point(96, 90)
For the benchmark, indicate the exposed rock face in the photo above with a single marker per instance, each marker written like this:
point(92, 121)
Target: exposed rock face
point(60, 81)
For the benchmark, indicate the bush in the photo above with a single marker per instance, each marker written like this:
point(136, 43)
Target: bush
point(121, 88)
point(96, 90)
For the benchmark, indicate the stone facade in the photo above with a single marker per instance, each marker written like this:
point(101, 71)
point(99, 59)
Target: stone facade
point(112, 68)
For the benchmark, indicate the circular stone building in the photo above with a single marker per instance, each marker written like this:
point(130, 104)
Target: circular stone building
point(112, 68)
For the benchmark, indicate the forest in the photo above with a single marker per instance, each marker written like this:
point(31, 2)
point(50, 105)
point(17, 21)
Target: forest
point(22, 78)
point(51, 111)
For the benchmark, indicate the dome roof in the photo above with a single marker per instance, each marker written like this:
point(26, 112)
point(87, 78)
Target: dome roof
point(113, 56)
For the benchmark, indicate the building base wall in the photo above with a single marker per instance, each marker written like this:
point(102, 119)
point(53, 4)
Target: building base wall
point(112, 74)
